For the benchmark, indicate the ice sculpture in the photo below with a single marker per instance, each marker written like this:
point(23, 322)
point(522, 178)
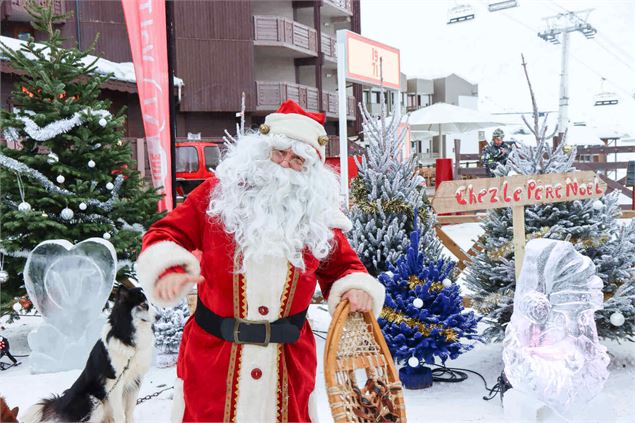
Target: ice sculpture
point(551, 349)
point(69, 285)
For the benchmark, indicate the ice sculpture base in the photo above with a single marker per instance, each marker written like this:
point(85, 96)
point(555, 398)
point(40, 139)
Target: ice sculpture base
point(519, 406)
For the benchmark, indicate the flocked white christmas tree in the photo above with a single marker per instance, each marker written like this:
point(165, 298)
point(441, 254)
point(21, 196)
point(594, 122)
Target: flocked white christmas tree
point(385, 195)
point(168, 330)
point(592, 226)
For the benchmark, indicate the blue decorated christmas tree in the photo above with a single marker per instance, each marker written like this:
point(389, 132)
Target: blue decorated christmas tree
point(423, 315)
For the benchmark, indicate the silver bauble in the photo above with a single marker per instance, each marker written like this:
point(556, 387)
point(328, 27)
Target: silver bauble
point(83, 206)
point(67, 214)
point(60, 179)
point(91, 164)
point(109, 186)
point(447, 283)
point(103, 122)
point(617, 319)
point(413, 362)
point(417, 302)
point(4, 276)
point(106, 236)
point(598, 205)
point(24, 207)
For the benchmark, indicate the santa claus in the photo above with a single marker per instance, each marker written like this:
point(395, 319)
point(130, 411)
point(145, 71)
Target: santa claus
point(269, 228)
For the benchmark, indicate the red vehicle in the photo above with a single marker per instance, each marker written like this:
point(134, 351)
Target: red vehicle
point(195, 162)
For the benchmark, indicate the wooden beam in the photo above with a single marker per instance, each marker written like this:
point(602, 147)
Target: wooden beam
point(457, 159)
point(518, 219)
point(452, 246)
point(605, 150)
point(628, 214)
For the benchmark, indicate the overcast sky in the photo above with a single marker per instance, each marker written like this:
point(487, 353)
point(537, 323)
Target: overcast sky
point(487, 51)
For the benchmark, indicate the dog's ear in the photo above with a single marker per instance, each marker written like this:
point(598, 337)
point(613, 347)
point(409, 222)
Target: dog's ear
point(15, 412)
point(121, 292)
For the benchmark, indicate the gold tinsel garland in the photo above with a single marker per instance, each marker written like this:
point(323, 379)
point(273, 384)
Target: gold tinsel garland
point(508, 247)
point(394, 317)
point(359, 200)
point(413, 281)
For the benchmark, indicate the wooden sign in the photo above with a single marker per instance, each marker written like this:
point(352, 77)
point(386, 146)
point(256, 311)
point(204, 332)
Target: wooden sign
point(516, 192)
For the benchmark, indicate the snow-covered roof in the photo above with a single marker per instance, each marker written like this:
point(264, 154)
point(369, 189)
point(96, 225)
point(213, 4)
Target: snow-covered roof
point(120, 71)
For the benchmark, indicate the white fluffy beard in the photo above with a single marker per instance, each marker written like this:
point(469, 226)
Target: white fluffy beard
point(271, 210)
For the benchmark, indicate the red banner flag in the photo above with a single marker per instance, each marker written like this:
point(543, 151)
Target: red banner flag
point(145, 20)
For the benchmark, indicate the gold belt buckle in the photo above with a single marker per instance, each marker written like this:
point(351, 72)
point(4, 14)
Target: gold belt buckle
point(266, 323)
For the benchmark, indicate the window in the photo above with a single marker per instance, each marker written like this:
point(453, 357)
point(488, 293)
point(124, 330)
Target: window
point(212, 157)
point(365, 97)
point(376, 95)
point(186, 159)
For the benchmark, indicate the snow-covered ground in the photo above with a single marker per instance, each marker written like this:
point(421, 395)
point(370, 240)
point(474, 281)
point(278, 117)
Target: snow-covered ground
point(443, 402)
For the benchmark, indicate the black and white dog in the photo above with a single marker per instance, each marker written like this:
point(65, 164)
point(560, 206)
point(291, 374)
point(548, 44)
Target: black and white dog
point(107, 388)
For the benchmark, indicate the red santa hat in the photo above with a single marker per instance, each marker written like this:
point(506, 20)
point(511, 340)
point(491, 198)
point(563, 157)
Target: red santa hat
point(296, 123)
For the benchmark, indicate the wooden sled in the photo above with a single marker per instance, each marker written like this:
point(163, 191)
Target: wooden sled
point(355, 342)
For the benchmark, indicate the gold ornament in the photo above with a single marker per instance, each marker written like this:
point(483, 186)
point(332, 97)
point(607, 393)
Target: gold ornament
point(323, 139)
point(264, 128)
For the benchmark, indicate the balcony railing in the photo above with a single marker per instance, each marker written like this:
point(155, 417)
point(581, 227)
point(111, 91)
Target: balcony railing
point(345, 6)
point(14, 10)
point(269, 95)
point(329, 47)
point(283, 32)
point(330, 105)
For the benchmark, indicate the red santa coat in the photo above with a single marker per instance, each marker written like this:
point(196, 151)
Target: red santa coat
point(224, 381)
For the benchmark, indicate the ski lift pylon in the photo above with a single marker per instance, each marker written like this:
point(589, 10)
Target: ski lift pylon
point(460, 13)
point(501, 5)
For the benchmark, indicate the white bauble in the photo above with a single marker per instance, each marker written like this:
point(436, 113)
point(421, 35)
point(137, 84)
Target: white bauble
point(417, 302)
point(109, 186)
point(52, 158)
point(598, 205)
point(617, 319)
point(82, 206)
point(60, 179)
point(24, 207)
point(447, 283)
point(4, 276)
point(67, 214)
point(106, 236)
point(91, 164)
point(413, 362)
point(17, 307)
point(103, 122)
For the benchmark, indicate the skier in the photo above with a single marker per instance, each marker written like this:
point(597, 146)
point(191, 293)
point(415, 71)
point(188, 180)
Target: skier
point(496, 152)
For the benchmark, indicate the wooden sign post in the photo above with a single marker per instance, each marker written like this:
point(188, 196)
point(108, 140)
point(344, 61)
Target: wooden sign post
point(516, 192)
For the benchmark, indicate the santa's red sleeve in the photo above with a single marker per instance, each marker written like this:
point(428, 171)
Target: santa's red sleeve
point(343, 270)
point(168, 243)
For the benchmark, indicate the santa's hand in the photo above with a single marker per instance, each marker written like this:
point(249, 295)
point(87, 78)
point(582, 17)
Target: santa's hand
point(171, 285)
point(359, 300)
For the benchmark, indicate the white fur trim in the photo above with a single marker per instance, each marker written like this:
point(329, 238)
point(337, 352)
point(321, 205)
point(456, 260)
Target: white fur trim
point(358, 280)
point(337, 219)
point(178, 402)
point(298, 127)
point(158, 258)
point(314, 415)
point(264, 283)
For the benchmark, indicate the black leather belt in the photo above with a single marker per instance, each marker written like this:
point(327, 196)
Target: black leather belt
point(243, 331)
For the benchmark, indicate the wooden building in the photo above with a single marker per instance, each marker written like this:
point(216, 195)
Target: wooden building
point(270, 50)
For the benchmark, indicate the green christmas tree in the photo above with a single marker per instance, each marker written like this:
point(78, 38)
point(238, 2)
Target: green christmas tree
point(66, 172)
